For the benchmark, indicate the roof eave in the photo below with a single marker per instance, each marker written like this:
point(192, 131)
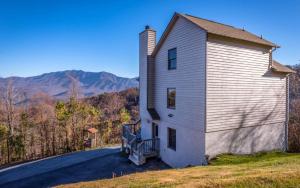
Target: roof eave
point(242, 40)
point(284, 72)
point(280, 68)
point(165, 33)
point(172, 23)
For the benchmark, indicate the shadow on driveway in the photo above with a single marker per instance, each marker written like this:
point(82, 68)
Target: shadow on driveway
point(99, 164)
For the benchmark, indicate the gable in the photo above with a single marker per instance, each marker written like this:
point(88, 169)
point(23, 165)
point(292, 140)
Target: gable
point(167, 31)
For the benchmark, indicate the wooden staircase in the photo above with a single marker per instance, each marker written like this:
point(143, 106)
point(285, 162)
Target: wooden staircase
point(139, 150)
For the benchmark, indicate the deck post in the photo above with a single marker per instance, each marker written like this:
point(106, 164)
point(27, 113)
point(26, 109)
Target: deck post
point(122, 147)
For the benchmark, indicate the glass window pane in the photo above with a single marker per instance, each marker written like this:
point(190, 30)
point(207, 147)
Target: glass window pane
point(172, 53)
point(172, 138)
point(171, 103)
point(172, 56)
point(172, 64)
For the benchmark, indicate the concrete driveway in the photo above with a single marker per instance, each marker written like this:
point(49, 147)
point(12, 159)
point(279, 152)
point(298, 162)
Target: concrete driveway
point(72, 168)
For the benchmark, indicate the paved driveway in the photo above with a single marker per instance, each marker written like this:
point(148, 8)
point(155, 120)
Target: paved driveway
point(71, 168)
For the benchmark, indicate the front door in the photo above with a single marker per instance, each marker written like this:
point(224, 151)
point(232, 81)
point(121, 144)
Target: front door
point(154, 130)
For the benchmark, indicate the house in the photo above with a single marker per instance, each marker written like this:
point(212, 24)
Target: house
point(91, 137)
point(207, 88)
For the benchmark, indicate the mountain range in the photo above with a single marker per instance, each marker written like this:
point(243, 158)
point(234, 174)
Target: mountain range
point(60, 84)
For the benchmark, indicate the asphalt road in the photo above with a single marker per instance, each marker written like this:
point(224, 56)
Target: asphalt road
point(72, 168)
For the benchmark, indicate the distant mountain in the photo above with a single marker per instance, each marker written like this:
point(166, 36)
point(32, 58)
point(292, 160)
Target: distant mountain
point(59, 84)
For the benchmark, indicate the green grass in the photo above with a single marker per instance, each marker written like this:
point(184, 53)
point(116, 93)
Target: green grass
point(273, 169)
point(229, 159)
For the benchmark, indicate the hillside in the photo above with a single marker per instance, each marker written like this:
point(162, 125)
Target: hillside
point(262, 170)
point(59, 84)
point(111, 103)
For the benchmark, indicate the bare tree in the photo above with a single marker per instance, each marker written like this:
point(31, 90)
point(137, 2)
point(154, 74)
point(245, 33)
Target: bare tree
point(40, 126)
point(9, 103)
point(9, 106)
point(75, 91)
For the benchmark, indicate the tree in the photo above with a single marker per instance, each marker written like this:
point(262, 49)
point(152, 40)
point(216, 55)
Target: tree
point(124, 116)
point(24, 126)
point(3, 132)
point(9, 101)
point(40, 126)
point(62, 116)
point(18, 146)
point(3, 138)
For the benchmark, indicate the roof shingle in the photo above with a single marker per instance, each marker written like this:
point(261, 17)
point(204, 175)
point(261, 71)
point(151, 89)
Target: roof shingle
point(277, 67)
point(92, 130)
point(215, 28)
point(227, 30)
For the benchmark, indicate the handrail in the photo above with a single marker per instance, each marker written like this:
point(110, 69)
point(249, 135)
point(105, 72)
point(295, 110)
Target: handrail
point(131, 134)
point(135, 123)
point(130, 128)
point(148, 146)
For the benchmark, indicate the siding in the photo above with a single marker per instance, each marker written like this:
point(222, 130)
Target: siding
point(245, 140)
point(241, 91)
point(146, 45)
point(246, 103)
point(189, 80)
point(151, 81)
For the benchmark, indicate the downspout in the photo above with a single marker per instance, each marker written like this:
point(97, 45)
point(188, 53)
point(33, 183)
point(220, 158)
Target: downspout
point(206, 160)
point(286, 147)
point(271, 57)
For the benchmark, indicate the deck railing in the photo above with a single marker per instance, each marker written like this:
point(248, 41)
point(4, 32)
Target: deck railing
point(148, 147)
point(131, 131)
point(142, 148)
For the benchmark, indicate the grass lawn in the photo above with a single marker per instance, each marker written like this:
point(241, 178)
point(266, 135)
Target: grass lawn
point(273, 169)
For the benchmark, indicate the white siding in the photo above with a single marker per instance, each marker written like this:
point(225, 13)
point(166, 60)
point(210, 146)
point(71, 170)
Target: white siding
point(242, 92)
point(245, 140)
point(189, 80)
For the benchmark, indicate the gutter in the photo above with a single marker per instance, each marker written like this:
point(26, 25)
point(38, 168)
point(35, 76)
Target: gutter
point(271, 57)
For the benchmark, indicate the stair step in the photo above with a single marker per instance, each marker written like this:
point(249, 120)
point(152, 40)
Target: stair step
point(136, 160)
point(150, 154)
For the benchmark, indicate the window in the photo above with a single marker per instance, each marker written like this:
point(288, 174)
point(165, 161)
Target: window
point(172, 139)
point(171, 98)
point(172, 56)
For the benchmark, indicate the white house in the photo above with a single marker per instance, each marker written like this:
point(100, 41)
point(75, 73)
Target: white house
point(207, 88)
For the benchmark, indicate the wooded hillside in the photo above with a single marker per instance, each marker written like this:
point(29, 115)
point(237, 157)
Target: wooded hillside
point(44, 127)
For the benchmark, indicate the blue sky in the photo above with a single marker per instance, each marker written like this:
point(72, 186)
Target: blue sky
point(46, 36)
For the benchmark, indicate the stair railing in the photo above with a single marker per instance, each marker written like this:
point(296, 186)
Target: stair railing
point(130, 131)
point(148, 146)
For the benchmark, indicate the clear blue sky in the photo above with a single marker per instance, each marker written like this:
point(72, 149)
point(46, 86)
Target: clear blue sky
point(45, 36)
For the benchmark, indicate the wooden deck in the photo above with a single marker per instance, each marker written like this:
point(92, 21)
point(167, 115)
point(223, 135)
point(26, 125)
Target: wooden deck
point(139, 150)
